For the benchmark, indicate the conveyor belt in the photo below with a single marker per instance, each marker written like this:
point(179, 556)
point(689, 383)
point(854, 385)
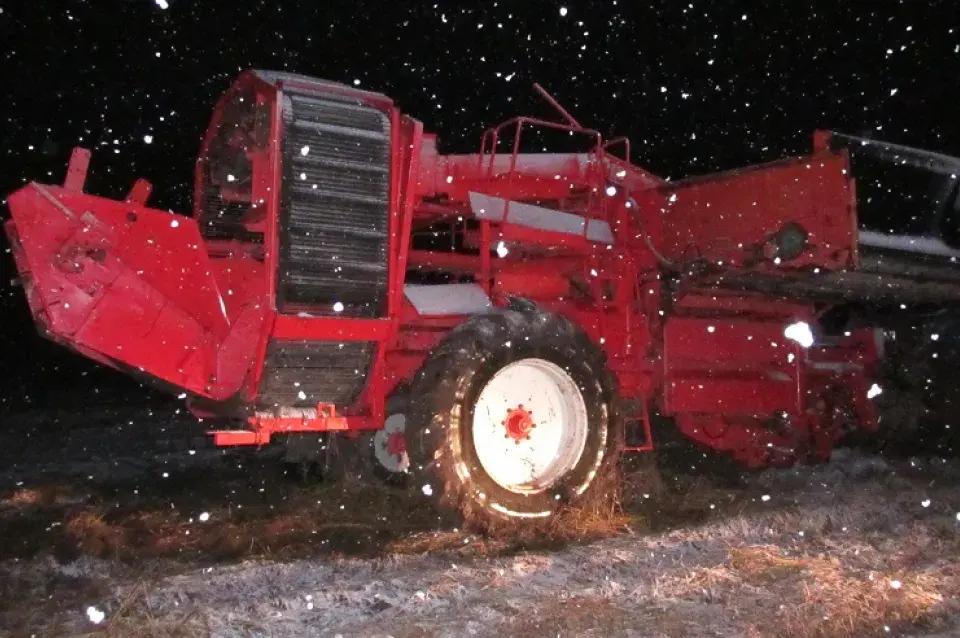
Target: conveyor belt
point(334, 207)
point(304, 373)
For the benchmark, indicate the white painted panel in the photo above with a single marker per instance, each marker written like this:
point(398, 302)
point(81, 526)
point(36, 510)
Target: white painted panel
point(492, 209)
point(448, 299)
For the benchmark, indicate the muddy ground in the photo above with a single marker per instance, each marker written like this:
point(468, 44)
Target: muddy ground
point(127, 535)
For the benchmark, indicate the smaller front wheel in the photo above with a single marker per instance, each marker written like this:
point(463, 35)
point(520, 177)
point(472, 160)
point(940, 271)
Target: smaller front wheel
point(514, 419)
point(388, 445)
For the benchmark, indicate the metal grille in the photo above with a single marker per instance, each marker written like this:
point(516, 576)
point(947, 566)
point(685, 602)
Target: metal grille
point(334, 207)
point(304, 373)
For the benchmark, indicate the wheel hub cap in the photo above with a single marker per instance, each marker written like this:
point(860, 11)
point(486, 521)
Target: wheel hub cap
point(529, 426)
point(518, 424)
point(390, 444)
point(397, 445)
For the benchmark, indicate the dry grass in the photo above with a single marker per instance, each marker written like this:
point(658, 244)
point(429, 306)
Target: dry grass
point(447, 541)
point(601, 517)
point(573, 616)
point(41, 496)
point(604, 515)
point(761, 564)
point(93, 535)
point(583, 525)
point(836, 600)
point(123, 622)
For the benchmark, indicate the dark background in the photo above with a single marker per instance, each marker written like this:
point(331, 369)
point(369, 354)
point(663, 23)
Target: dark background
point(698, 86)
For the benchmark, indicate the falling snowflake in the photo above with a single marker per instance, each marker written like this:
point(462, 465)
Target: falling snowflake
point(163, 4)
point(148, 139)
point(799, 332)
point(95, 615)
point(563, 11)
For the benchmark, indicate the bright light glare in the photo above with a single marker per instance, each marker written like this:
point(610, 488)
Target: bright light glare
point(799, 332)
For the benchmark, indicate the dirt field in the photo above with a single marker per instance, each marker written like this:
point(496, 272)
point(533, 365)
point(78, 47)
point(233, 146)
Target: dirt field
point(184, 541)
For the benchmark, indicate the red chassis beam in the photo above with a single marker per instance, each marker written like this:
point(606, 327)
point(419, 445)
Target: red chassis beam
point(324, 419)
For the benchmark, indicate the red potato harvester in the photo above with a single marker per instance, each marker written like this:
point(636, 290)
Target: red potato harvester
point(505, 323)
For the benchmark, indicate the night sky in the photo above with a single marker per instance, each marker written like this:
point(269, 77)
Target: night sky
point(698, 86)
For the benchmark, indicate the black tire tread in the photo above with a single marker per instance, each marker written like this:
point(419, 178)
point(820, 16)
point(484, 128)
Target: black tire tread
point(432, 397)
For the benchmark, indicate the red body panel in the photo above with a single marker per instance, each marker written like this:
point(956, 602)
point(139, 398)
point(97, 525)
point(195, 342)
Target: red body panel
point(126, 285)
point(725, 216)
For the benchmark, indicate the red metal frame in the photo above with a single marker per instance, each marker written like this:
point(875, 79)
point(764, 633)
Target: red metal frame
point(717, 363)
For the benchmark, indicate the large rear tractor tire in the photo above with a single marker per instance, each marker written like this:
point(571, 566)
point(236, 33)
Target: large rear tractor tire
point(513, 422)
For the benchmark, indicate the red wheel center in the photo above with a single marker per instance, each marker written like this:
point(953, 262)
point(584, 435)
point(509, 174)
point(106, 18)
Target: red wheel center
point(396, 444)
point(518, 423)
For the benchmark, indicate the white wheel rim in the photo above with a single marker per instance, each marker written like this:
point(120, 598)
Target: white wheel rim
point(389, 445)
point(525, 459)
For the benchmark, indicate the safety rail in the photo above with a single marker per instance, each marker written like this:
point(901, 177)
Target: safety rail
point(622, 140)
point(488, 147)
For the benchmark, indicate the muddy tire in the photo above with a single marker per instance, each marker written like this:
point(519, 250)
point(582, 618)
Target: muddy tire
point(514, 421)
